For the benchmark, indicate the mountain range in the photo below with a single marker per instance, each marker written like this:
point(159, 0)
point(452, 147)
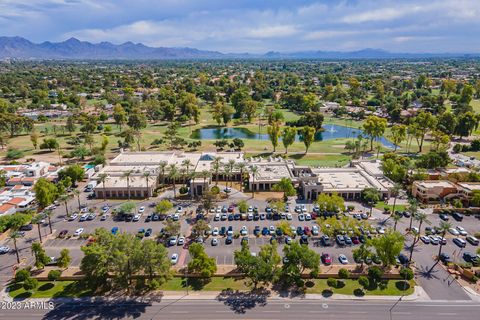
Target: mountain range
point(21, 48)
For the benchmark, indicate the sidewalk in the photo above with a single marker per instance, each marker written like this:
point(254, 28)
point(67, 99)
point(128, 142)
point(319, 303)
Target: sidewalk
point(418, 294)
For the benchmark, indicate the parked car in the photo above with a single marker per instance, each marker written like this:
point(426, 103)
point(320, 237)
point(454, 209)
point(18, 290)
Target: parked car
point(326, 259)
point(445, 258)
point(148, 233)
point(457, 216)
point(460, 242)
point(114, 230)
point(174, 258)
point(425, 239)
point(454, 231)
point(172, 240)
point(181, 241)
point(141, 209)
point(474, 241)
point(443, 216)
point(340, 240)
point(63, 234)
point(26, 227)
point(73, 217)
point(343, 259)
point(325, 240)
point(462, 231)
point(228, 240)
point(214, 242)
point(78, 232)
point(4, 249)
point(470, 257)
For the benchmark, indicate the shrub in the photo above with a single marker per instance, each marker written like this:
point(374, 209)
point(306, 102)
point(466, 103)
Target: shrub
point(243, 206)
point(54, 275)
point(183, 190)
point(364, 282)
point(332, 282)
point(215, 190)
point(13, 154)
point(343, 273)
point(30, 284)
point(22, 275)
point(375, 273)
point(406, 273)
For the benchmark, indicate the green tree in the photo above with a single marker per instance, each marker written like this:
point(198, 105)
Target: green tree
point(200, 263)
point(288, 137)
point(41, 258)
point(54, 275)
point(362, 253)
point(374, 127)
point(298, 259)
point(30, 284)
point(155, 263)
point(64, 259)
point(399, 134)
point(74, 171)
point(119, 115)
point(370, 196)
point(163, 207)
point(285, 185)
point(45, 192)
point(274, 133)
point(388, 247)
point(330, 203)
point(308, 135)
point(424, 122)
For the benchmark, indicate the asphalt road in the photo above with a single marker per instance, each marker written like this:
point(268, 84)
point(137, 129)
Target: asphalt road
point(248, 307)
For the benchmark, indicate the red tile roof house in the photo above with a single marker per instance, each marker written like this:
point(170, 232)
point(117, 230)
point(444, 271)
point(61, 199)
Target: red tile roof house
point(7, 209)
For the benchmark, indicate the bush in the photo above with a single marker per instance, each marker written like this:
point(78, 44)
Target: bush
point(215, 190)
point(332, 282)
point(242, 206)
point(375, 273)
point(343, 273)
point(13, 154)
point(364, 282)
point(406, 273)
point(22, 275)
point(30, 284)
point(54, 275)
point(183, 190)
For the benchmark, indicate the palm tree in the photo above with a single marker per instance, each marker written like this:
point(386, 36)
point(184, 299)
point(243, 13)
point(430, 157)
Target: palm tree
point(253, 172)
point(173, 175)
point(38, 221)
point(64, 198)
point(77, 193)
point(228, 172)
point(102, 177)
point(231, 165)
point(413, 210)
point(396, 218)
point(205, 174)
point(187, 163)
point(421, 217)
point(127, 175)
point(416, 238)
point(161, 167)
point(14, 235)
point(443, 228)
point(216, 167)
point(49, 213)
point(147, 175)
point(394, 192)
point(241, 166)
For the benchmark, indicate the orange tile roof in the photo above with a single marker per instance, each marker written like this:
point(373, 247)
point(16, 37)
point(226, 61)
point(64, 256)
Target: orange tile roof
point(16, 200)
point(5, 207)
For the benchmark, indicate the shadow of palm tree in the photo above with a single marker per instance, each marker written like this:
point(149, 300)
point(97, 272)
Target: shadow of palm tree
point(425, 272)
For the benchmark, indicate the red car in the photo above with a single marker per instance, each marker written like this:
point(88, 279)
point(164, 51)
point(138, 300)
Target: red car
point(307, 231)
point(313, 215)
point(326, 259)
point(231, 208)
point(355, 240)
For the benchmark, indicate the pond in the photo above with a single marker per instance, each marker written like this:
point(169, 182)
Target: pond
point(331, 131)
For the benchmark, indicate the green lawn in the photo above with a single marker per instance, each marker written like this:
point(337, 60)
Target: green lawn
point(216, 284)
point(398, 207)
point(387, 288)
point(47, 289)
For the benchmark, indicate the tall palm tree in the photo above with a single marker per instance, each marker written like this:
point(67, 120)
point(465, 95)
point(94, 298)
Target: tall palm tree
point(443, 228)
point(416, 238)
point(14, 235)
point(253, 172)
point(187, 163)
point(394, 192)
point(241, 167)
point(65, 198)
point(205, 174)
point(49, 214)
point(231, 165)
point(38, 221)
point(147, 175)
point(422, 218)
point(216, 167)
point(102, 177)
point(161, 167)
point(396, 218)
point(413, 210)
point(77, 193)
point(173, 175)
point(228, 171)
point(127, 175)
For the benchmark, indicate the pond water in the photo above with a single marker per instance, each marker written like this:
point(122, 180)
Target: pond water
point(331, 131)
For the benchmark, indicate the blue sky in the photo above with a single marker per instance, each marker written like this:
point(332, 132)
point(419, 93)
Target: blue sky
point(253, 26)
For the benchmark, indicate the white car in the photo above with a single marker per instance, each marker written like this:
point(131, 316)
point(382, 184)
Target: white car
point(244, 231)
point(415, 229)
point(215, 232)
point(343, 259)
point(315, 230)
point(136, 217)
point(308, 217)
point(224, 217)
point(175, 217)
point(289, 216)
point(84, 210)
point(141, 209)
point(454, 231)
point(425, 239)
point(172, 241)
point(216, 217)
point(214, 241)
point(250, 209)
point(462, 231)
point(174, 258)
point(4, 249)
point(78, 232)
point(84, 217)
point(73, 217)
point(181, 241)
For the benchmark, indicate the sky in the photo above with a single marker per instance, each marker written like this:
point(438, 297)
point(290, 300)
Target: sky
point(255, 26)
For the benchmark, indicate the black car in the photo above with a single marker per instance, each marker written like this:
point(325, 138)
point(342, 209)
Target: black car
point(304, 239)
point(230, 217)
point(457, 216)
point(443, 216)
point(148, 233)
point(445, 258)
point(269, 216)
point(26, 227)
point(469, 257)
point(256, 216)
point(228, 240)
point(402, 258)
point(406, 214)
point(223, 231)
point(236, 217)
point(149, 218)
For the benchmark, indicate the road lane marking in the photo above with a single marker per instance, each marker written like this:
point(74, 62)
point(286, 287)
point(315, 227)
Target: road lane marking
point(179, 312)
point(447, 314)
